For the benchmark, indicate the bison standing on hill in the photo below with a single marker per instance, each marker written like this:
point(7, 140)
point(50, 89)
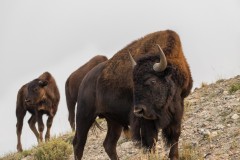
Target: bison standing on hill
point(73, 82)
point(147, 94)
point(38, 97)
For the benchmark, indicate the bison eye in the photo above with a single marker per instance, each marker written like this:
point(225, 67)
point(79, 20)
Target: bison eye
point(150, 82)
point(153, 82)
point(35, 89)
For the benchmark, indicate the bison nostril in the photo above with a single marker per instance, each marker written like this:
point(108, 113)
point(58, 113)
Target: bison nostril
point(139, 110)
point(27, 100)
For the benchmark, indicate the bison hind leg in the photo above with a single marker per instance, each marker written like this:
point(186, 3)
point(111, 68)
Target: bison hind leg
point(71, 109)
point(20, 113)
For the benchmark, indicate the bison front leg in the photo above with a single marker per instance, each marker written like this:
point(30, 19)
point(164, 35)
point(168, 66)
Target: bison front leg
point(110, 142)
point(40, 126)
point(32, 124)
point(172, 134)
point(20, 116)
point(82, 127)
point(49, 125)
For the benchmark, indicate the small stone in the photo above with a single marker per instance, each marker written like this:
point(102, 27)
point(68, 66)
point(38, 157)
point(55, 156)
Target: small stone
point(225, 92)
point(235, 116)
point(206, 133)
point(201, 130)
point(214, 134)
point(220, 126)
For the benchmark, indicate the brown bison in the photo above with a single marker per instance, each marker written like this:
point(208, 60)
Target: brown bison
point(38, 97)
point(73, 82)
point(147, 94)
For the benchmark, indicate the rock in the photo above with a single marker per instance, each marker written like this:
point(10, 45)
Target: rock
point(206, 133)
point(214, 134)
point(235, 116)
point(201, 130)
point(225, 92)
point(220, 126)
point(127, 145)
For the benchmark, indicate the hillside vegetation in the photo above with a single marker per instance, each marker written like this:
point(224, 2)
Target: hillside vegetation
point(210, 130)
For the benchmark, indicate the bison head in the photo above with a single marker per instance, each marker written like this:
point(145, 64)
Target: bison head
point(36, 92)
point(153, 88)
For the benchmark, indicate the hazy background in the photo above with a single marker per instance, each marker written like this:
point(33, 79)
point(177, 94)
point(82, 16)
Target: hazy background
point(59, 36)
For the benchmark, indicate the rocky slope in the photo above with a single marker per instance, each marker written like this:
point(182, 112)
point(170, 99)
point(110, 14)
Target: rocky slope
point(210, 130)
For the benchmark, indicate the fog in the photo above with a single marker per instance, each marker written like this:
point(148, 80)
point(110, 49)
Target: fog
point(59, 36)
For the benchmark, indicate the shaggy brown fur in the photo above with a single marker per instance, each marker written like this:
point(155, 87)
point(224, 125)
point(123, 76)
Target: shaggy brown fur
point(73, 82)
point(169, 41)
point(38, 97)
point(111, 89)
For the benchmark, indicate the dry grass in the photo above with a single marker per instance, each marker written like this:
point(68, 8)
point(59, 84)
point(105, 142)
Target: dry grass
point(57, 148)
point(190, 152)
point(186, 151)
point(204, 84)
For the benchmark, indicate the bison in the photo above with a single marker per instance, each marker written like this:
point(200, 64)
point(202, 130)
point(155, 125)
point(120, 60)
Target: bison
point(73, 82)
point(147, 94)
point(38, 97)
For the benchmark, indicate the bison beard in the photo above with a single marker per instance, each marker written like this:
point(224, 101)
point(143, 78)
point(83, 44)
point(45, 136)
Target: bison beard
point(146, 97)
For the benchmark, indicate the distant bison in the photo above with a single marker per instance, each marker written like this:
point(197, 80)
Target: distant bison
point(147, 94)
point(38, 97)
point(73, 82)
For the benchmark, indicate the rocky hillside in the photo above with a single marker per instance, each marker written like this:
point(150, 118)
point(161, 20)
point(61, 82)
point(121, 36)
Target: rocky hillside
point(210, 130)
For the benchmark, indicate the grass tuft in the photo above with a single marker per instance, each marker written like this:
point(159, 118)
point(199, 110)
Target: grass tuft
point(54, 149)
point(190, 152)
point(234, 87)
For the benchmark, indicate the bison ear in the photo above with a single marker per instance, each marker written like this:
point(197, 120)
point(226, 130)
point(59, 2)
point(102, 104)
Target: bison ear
point(42, 83)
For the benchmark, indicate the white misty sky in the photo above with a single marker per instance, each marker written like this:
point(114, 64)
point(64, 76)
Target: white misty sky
point(59, 36)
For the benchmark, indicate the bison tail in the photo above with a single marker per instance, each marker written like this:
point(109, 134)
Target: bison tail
point(96, 125)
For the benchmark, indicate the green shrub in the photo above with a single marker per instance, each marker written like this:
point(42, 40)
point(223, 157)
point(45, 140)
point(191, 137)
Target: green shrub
point(234, 88)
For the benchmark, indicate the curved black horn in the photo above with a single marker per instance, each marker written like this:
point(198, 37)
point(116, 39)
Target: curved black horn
point(162, 65)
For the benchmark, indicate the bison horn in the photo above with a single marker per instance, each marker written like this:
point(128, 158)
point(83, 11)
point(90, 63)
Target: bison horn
point(162, 65)
point(132, 60)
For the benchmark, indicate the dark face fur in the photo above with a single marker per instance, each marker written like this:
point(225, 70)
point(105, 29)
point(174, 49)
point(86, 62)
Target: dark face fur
point(36, 92)
point(152, 90)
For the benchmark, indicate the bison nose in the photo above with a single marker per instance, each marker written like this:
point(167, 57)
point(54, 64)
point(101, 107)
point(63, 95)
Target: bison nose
point(139, 110)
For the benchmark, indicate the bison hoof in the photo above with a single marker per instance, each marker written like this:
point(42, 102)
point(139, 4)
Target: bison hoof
point(73, 127)
point(47, 138)
point(19, 148)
